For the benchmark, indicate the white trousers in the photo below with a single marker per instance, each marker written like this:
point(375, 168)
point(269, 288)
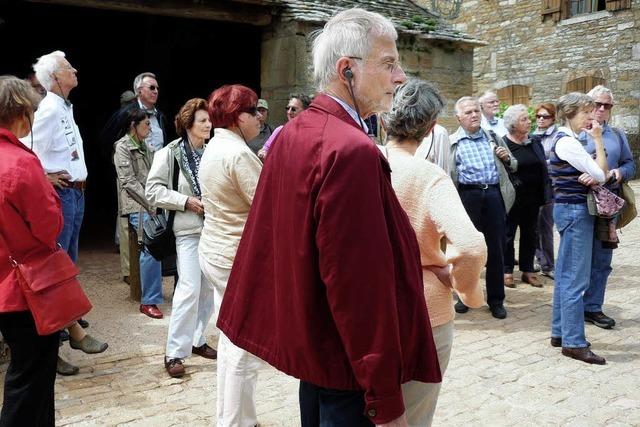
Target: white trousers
point(237, 369)
point(193, 298)
point(420, 398)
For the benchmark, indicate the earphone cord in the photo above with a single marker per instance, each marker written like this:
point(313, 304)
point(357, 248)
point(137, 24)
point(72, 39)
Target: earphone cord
point(355, 104)
point(30, 131)
point(66, 101)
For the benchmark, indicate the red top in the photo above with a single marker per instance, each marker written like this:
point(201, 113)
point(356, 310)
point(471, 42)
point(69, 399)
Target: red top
point(30, 215)
point(327, 285)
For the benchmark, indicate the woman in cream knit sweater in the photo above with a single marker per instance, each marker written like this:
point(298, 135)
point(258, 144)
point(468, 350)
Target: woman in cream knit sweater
point(434, 208)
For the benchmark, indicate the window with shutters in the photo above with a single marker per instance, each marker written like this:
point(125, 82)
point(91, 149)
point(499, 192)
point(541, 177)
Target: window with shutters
point(514, 94)
point(563, 9)
point(584, 84)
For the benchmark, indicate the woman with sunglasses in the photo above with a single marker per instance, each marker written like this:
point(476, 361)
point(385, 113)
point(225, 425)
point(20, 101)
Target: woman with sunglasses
point(229, 173)
point(622, 167)
point(132, 159)
point(297, 104)
point(545, 132)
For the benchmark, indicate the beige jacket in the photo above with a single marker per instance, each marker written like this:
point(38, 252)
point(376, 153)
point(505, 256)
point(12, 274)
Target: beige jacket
point(229, 172)
point(132, 166)
point(434, 208)
point(160, 193)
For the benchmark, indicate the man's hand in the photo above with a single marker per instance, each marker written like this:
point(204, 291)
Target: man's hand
point(502, 154)
point(398, 422)
point(194, 205)
point(442, 273)
point(587, 180)
point(59, 179)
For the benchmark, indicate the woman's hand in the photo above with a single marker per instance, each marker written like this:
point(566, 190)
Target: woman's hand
point(194, 205)
point(442, 273)
point(617, 174)
point(587, 180)
point(595, 131)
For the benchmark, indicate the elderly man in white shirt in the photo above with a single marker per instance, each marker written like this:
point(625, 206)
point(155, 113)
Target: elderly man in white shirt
point(490, 106)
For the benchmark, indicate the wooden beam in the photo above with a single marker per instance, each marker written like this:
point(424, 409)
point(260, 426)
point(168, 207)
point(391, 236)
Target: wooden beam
point(239, 13)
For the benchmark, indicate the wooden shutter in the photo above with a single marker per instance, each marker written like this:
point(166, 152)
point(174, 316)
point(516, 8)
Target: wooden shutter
point(618, 4)
point(584, 84)
point(514, 94)
point(552, 9)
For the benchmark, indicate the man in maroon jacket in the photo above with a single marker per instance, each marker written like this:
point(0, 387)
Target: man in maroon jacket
point(327, 285)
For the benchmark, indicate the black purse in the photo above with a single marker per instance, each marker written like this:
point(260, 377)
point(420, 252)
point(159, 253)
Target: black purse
point(157, 232)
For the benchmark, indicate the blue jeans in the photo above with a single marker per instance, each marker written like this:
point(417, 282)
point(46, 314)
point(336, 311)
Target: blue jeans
point(600, 270)
point(72, 202)
point(150, 270)
point(573, 269)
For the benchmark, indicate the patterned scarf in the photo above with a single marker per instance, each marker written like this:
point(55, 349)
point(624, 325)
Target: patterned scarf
point(191, 165)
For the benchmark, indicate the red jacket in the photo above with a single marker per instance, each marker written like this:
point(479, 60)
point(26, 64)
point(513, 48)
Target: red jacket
point(327, 285)
point(30, 215)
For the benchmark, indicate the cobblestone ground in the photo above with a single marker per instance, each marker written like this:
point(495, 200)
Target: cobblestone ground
point(502, 372)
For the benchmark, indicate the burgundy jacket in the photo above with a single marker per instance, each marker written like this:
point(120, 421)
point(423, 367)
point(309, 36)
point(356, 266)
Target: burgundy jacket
point(327, 285)
point(30, 215)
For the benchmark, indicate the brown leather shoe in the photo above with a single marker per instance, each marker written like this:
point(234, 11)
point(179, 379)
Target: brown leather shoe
point(205, 351)
point(174, 367)
point(531, 279)
point(151, 310)
point(508, 281)
point(584, 355)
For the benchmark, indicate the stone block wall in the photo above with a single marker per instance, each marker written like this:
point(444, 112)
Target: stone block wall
point(287, 66)
point(524, 50)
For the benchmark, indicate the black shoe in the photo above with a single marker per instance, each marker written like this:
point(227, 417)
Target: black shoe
point(498, 311)
point(557, 342)
point(599, 319)
point(83, 323)
point(460, 307)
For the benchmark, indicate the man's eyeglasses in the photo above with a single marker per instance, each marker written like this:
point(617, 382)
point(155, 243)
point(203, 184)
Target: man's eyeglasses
point(606, 105)
point(153, 87)
point(543, 116)
point(251, 110)
point(291, 107)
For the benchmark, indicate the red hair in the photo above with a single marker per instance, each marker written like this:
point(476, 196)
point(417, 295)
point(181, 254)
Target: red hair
point(227, 102)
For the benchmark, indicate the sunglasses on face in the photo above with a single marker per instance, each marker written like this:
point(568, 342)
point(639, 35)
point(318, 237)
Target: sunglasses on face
point(251, 110)
point(606, 105)
point(291, 107)
point(153, 87)
point(543, 116)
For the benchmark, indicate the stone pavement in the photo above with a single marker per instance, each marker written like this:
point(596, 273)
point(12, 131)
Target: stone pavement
point(502, 372)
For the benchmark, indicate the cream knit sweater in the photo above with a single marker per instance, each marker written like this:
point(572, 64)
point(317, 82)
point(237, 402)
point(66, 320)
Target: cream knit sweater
point(434, 208)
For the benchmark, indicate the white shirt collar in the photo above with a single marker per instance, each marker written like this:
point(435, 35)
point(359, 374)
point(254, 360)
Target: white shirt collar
point(352, 112)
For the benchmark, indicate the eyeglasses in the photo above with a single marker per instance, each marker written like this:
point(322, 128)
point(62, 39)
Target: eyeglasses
point(606, 105)
point(153, 87)
point(543, 116)
point(251, 110)
point(291, 107)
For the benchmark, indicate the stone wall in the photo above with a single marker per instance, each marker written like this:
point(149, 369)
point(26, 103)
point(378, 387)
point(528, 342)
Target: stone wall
point(547, 55)
point(287, 68)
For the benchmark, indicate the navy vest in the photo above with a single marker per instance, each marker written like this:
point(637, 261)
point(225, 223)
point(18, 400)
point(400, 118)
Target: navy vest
point(564, 177)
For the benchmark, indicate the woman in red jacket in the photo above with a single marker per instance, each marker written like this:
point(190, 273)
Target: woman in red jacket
point(30, 221)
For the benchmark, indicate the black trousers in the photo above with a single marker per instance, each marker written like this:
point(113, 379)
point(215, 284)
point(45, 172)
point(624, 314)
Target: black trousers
point(325, 407)
point(486, 210)
point(525, 217)
point(29, 381)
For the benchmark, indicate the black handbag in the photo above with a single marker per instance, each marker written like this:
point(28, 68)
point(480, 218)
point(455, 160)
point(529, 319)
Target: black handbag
point(157, 232)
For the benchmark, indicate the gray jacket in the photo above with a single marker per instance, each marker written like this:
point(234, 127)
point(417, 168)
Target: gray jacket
point(132, 166)
point(160, 191)
point(506, 187)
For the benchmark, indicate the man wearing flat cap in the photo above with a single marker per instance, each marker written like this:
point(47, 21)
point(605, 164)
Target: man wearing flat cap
point(265, 129)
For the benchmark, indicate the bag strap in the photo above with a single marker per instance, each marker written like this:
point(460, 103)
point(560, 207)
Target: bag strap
point(174, 181)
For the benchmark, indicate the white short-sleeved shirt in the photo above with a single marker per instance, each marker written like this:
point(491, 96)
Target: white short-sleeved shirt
point(56, 138)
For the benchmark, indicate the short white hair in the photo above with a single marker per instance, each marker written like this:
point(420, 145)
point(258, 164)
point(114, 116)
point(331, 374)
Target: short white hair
point(485, 95)
point(46, 65)
point(600, 90)
point(512, 114)
point(460, 101)
point(348, 33)
point(137, 82)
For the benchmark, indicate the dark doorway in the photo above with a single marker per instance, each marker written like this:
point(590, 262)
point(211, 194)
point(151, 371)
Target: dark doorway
point(190, 58)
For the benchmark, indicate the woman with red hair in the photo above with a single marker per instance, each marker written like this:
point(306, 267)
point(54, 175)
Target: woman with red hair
point(229, 173)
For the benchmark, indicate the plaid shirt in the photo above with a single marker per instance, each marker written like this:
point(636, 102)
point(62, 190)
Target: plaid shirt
point(474, 160)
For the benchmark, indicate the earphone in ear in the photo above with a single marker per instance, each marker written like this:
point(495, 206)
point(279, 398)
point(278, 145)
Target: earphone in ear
point(347, 73)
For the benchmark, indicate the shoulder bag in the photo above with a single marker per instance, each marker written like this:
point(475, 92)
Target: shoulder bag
point(629, 211)
point(51, 288)
point(603, 203)
point(157, 232)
